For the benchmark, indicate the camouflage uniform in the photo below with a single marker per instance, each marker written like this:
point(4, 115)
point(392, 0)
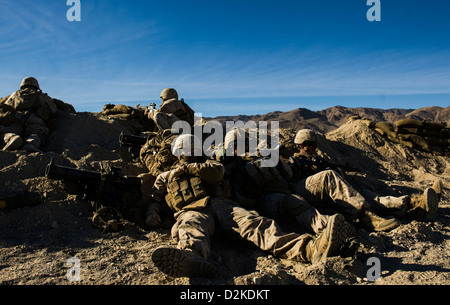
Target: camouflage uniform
point(188, 190)
point(32, 113)
point(325, 188)
point(267, 191)
point(156, 153)
point(195, 222)
point(172, 110)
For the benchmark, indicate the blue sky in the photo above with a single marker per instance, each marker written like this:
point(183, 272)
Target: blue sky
point(231, 57)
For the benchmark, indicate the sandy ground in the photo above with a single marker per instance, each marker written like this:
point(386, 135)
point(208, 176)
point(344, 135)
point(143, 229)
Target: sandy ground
point(54, 242)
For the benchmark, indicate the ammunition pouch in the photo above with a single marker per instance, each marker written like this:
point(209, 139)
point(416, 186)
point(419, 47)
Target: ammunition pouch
point(187, 193)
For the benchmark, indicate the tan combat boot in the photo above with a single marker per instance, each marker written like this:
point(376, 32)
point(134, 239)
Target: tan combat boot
point(373, 222)
point(330, 240)
point(437, 187)
point(181, 263)
point(13, 142)
point(424, 207)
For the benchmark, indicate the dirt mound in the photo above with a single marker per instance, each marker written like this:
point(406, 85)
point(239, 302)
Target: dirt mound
point(38, 243)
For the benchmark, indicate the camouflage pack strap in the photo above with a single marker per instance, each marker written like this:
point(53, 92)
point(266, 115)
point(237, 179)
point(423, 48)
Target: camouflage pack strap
point(189, 110)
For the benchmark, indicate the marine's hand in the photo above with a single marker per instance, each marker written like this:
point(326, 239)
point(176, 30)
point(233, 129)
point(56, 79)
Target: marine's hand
point(152, 219)
point(177, 172)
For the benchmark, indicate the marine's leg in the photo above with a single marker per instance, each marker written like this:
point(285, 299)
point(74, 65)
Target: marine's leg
point(192, 231)
point(266, 234)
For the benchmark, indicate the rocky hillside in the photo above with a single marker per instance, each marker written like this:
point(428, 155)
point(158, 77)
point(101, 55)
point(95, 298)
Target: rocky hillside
point(331, 118)
point(37, 243)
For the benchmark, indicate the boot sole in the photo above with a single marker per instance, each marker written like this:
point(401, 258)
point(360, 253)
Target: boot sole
point(338, 230)
point(338, 233)
point(178, 263)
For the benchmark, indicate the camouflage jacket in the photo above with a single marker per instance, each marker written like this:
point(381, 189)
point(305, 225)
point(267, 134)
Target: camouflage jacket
point(28, 101)
point(191, 188)
point(248, 181)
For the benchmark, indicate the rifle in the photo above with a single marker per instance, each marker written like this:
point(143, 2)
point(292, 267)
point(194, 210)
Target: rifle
point(130, 140)
point(133, 143)
point(150, 108)
point(108, 191)
point(320, 164)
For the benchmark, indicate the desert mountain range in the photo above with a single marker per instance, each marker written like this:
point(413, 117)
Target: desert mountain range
point(333, 117)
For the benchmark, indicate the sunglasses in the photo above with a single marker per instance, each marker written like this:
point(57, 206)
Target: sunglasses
point(308, 144)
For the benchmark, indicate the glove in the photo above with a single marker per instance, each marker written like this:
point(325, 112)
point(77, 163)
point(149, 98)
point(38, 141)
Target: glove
point(177, 172)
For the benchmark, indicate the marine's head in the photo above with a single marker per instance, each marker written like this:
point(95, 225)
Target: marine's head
point(29, 82)
point(168, 94)
point(187, 146)
point(306, 140)
point(236, 142)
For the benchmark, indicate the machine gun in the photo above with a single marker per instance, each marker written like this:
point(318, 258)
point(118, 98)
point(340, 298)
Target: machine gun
point(108, 191)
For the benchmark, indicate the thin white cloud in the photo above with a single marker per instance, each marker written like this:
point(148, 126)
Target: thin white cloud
point(87, 64)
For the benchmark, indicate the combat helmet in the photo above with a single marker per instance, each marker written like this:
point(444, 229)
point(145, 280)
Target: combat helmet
point(169, 93)
point(235, 135)
point(183, 144)
point(305, 135)
point(29, 81)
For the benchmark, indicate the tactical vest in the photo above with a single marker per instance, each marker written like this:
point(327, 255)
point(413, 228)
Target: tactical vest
point(187, 193)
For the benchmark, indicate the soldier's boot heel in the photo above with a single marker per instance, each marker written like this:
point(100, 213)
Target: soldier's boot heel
point(180, 263)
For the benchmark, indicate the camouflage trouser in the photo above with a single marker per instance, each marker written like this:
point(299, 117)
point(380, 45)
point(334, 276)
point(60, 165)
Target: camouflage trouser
point(33, 130)
point(292, 210)
point(194, 228)
point(329, 189)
